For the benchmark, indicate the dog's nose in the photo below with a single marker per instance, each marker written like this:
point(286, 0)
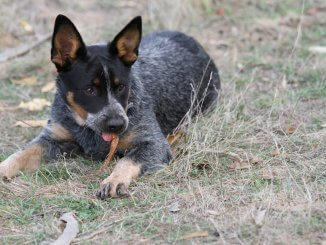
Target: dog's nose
point(115, 125)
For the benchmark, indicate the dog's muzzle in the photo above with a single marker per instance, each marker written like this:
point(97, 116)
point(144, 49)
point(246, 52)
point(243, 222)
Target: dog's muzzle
point(110, 120)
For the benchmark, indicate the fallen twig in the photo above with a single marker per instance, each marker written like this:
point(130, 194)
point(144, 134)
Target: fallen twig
point(30, 123)
point(19, 51)
point(22, 50)
point(194, 235)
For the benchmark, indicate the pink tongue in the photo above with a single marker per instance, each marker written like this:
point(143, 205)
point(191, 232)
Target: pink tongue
point(107, 136)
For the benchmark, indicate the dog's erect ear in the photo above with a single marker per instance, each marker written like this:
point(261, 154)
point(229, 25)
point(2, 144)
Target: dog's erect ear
point(125, 44)
point(67, 43)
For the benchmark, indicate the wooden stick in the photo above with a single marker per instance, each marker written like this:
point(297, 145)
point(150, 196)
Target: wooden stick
point(22, 50)
point(113, 147)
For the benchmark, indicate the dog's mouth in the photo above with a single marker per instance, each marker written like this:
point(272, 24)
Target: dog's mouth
point(107, 136)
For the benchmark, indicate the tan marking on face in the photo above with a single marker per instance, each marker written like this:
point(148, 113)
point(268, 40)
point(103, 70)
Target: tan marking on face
point(126, 141)
point(58, 132)
point(127, 45)
point(116, 81)
point(97, 82)
point(124, 172)
point(25, 160)
point(80, 113)
point(66, 45)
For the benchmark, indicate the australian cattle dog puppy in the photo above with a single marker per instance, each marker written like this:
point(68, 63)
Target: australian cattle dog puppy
point(137, 88)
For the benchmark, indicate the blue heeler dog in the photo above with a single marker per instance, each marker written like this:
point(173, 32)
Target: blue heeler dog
point(137, 88)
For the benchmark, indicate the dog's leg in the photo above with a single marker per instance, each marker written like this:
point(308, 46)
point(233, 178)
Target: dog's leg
point(149, 150)
point(52, 141)
point(125, 171)
point(26, 160)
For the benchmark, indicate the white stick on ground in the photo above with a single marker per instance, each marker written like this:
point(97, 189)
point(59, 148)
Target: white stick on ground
point(70, 231)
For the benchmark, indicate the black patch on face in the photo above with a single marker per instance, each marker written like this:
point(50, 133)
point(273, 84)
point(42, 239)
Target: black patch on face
point(81, 79)
point(119, 82)
point(96, 79)
point(98, 74)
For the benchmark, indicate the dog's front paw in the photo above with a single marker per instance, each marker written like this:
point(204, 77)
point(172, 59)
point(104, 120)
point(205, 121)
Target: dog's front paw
point(117, 183)
point(10, 166)
point(4, 170)
point(112, 188)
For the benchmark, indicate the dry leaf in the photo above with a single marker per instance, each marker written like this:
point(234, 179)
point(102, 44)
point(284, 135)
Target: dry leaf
point(234, 156)
point(70, 231)
point(269, 174)
point(254, 160)
point(219, 11)
point(8, 39)
point(26, 26)
point(36, 104)
point(291, 129)
point(317, 49)
point(29, 81)
point(48, 87)
point(312, 11)
point(212, 212)
point(286, 129)
point(174, 137)
point(194, 235)
point(236, 164)
point(244, 162)
point(5, 107)
point(259, 217)
point(276, 152)
point(174, 207)
point(30, 123)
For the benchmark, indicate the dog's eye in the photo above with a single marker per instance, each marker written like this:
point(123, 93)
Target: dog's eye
point(90, 91)
point(121, 87)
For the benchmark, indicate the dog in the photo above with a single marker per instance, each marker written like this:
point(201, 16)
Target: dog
point(137, 88)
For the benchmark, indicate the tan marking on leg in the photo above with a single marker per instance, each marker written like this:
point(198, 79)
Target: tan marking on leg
point(124, 172)
point(58, 132)
point(125, 142)
point(80, 114)
point(25, 160)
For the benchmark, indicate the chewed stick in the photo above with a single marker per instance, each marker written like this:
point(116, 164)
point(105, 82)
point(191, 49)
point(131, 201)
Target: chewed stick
point(112, 150)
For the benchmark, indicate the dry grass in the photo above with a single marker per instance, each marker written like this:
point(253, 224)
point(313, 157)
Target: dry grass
point(253, 169)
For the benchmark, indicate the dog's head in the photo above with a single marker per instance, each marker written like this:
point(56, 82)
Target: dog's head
point(95, 79)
